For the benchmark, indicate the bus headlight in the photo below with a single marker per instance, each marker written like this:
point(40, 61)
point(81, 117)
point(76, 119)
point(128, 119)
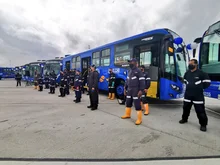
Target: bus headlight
point(175, 87)
point(125, 73)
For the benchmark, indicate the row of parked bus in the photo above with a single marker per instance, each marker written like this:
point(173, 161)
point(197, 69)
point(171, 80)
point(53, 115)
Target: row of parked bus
point(7, 72)
point(162, 52)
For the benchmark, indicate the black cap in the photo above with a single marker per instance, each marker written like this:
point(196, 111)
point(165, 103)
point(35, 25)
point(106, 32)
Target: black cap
point(132, 60)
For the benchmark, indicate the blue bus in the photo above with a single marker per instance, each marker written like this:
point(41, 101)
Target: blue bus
point(209, 58)
point(54, 65)
point(34, 67)
point(161, 51)
point(7, 72)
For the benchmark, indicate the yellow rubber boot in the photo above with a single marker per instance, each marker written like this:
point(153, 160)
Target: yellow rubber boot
point(109, 96)
point(127, 113)
point(139, 117)
point(146, 107)
point(113, 96)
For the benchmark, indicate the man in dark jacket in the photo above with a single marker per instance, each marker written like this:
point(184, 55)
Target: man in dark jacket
point(52, 83)
point(135, 85)
point(196, 80)
point(93, 88)
point(77, 86)
point(40, 82)
point(62, 84)
point(18, 78)
point(46, 80)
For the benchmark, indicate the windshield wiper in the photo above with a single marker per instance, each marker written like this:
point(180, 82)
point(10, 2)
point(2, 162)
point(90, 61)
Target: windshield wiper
point(217, 31)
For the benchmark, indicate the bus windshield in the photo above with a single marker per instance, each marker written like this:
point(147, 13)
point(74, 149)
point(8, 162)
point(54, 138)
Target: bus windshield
point(210, 53)
point(49, 67)
point(181, 62)
point(33, 68)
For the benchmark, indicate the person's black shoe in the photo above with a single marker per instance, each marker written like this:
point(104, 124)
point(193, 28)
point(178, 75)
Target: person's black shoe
point(49, 93)
point(183, 121)
point(94, 108)
point(89, 106)
point(203, 128)
point(60, 96)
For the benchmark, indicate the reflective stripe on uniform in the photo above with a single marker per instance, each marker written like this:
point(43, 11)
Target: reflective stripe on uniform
point(186, 81)
point(133, 77)
point(198, 102)
point(148, 78)
point(206, 81)
point(141, 78)
point(198, 82)
point(186, 100)
point(135, 98)
point(128, 97)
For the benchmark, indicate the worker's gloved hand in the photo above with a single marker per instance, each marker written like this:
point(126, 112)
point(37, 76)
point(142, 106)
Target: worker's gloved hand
point(139, 94)
point(125, 92)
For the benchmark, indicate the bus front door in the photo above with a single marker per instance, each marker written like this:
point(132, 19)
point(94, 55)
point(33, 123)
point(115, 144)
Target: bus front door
point(147, 55)
point(85, 64)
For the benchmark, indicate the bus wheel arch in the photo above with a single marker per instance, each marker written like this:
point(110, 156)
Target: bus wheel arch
point(119, 88)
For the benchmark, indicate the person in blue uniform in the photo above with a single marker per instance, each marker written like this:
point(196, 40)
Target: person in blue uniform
point(144, 101)
point(40, 83)
point(46, 80)
point(78, 86)
point(135, 85)
point(196, 81)
point(67, 82)
point(52, 83)
point(72, 76)
point(62, 84)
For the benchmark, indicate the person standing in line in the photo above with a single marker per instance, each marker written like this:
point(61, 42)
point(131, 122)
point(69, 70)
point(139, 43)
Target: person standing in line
point(135, 85)
point(93, 88)
point(62, 85)
point(195, 80)
point(67, 81)
point(77, 86)
point(52, 83)
point(18, 78)
point(144, 102)
point(40, 83)
point(35, 80)
point(111, 85)
point(46, 81)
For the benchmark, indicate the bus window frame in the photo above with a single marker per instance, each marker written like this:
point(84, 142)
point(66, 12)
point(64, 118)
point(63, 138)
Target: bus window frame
point(99, 58)
point(104, 57)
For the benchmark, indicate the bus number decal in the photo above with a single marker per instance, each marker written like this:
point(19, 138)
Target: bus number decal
point(207, 94)
point(116, 70)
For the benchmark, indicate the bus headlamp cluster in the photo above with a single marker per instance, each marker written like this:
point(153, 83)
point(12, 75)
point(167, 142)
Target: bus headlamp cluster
point(191, 46)
point(125, 73)
point(175, 87)
point(61, 64)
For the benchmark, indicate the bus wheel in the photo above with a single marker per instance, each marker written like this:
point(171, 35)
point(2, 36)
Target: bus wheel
point(120, 91)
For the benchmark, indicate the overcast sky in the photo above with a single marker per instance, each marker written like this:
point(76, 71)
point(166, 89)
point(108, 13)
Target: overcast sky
point(31, 30)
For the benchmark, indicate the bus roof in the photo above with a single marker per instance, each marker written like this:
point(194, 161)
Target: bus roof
point(161, 31)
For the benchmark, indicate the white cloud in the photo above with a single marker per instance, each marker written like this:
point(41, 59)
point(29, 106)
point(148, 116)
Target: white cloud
point(49, 28)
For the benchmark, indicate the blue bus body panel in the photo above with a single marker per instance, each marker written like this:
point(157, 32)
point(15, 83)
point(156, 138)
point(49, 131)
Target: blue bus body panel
point(166, 91)
point(213, 90)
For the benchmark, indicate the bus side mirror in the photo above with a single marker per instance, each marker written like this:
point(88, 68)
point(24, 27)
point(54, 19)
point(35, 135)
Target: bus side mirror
point(169, 48)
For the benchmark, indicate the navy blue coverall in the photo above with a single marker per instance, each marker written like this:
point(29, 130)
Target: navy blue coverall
point(77, 87)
